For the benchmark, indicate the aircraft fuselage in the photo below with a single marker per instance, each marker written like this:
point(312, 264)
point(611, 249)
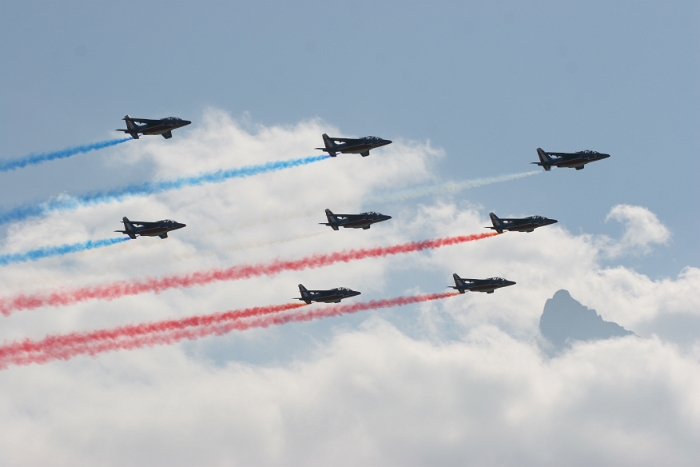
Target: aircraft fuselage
point(144, 126)
point(149, 229)
point(326, 296)
point(354, 221)
point(361, 146)
point(479, 285)
point(576, 160)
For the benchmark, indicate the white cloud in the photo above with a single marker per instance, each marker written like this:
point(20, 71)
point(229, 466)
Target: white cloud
point(372, 396)
point(642, 229)
point(467, 387)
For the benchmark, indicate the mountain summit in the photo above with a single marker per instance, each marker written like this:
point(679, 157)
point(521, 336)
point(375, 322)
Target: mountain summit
point(565, 320)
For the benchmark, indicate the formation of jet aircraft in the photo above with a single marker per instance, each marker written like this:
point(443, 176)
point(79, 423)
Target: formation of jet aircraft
point(354, 221)
point(479, 285)
point(524, 224)
point(163, 126)
point(576, 160)
point(334, 146)
point(361, 146)
point(326, 296)
point(149, 229)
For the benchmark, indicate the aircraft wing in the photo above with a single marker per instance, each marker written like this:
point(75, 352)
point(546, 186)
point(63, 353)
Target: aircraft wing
point(143, 223)
point(144, 120)
point(344, 140)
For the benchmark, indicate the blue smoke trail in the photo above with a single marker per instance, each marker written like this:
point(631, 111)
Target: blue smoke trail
point(150, 188)
point(35, 159)
point(60, 250)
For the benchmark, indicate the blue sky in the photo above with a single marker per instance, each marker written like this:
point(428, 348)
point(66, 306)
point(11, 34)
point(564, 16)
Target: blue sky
point(489, 83)
point(465, 90)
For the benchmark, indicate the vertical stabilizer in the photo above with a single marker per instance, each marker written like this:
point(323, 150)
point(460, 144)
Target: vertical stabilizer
point(131, 127)
point(330, 145)
point(459, 285)
point(129, 228)
point(305, 295)
point(545, 159)
point(497, 224)
point(332, 219)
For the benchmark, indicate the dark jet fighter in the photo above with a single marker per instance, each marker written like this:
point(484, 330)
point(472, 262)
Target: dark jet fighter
point(149, 229)
point(568, 159)
point(164, 126)
point(354, 221)
point(479, 285)
point(352, 146)
point(525, 224)
point(325, 296)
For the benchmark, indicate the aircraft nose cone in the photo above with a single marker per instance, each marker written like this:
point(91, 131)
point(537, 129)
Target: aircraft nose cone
point(179, 225)
point(552, 221)
point(186, 122)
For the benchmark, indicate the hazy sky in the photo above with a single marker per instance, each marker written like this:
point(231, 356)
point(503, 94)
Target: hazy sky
point(466, 90)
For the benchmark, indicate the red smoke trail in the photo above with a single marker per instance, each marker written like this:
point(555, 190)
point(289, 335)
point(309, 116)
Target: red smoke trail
point(64, 347)
point(156, 285)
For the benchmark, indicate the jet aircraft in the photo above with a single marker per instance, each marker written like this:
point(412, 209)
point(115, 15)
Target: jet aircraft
point(524, 224)
point(163, 126)
point(479, 285)
point(326, 296)
point(354, 221)
point(352, 145)
point(568, 159)
point(149, 229)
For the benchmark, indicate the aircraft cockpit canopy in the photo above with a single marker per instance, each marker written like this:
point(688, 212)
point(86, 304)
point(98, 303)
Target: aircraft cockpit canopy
point(497, 279)
point(588, 151)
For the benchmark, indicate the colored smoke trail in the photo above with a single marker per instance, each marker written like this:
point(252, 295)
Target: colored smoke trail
point(156, 285)
point(450, 187)
point(150, 188)
point(59, 250)
point(35, 159)
point(63, 347)
point(388, 197)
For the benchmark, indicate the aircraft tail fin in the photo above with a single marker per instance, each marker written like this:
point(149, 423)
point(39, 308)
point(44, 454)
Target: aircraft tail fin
point(330, 146)
point(305, 295)
point(458, 283)
point(497, 224)
point(130, 127)
point(332, 219)
point(545, 160)
point(128, 228)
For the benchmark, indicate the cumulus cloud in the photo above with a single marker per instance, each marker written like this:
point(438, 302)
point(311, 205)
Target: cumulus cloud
point(454, 382)
point(642, 229)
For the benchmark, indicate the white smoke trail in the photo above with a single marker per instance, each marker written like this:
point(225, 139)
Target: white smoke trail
point(450, 187)
point(389, 197)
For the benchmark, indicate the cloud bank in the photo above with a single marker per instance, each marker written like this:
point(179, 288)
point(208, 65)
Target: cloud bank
point(642, 230)
point(460, 381)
